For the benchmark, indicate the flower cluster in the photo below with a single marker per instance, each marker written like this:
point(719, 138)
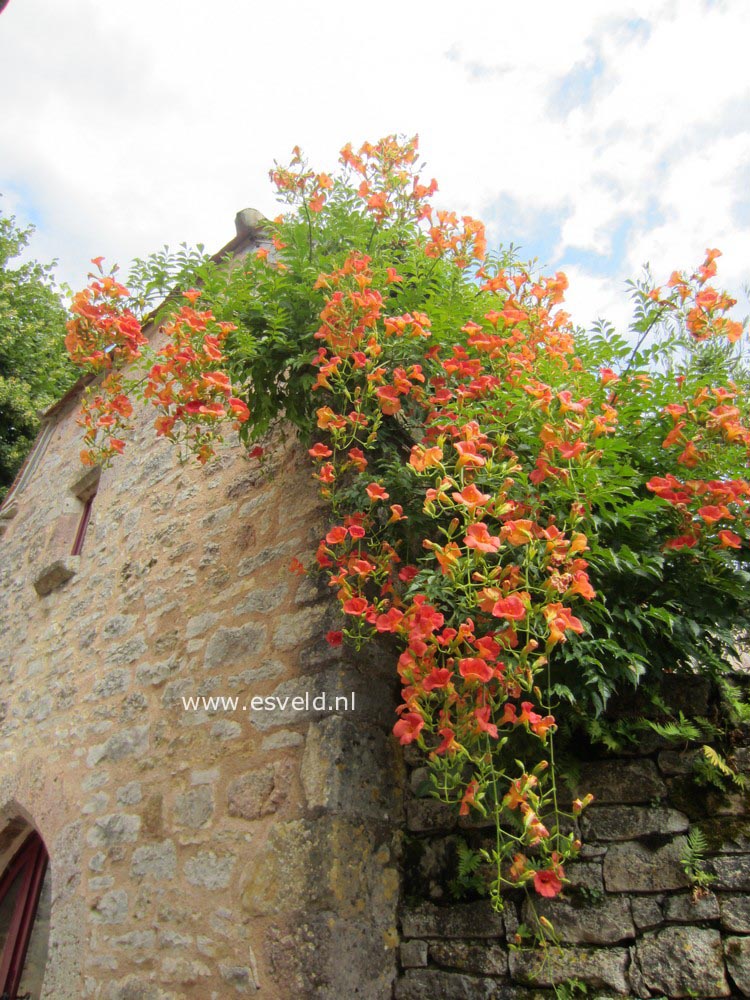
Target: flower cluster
point(194, 397)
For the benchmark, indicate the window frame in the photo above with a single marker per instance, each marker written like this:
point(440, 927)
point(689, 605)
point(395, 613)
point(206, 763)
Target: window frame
point(31, 859)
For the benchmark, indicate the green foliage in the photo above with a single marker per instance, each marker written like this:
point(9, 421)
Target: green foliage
point(542, 519)
point(693, 860)
point(469, 880)
point(153, 279)
point(712, 768)
point(34, 366)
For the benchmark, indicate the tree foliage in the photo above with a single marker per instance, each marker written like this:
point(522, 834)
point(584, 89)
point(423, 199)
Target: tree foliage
point(34, 365)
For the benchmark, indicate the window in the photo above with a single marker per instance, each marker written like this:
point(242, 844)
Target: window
point(85, 490)
point(20, 890)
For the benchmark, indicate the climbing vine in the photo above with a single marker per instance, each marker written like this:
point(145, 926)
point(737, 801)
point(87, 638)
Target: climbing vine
point(537, 517)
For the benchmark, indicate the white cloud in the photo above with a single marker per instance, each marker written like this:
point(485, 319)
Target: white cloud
point(128, 125)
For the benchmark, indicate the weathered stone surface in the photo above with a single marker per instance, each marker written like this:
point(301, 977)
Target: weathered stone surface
point(737, 953)
point(735, 913)
point(241, 977)
point(350, 769)
point(127, 652)
point(605, 968)
point(427, 815)
point(126, 743)
point(182, 970)
point(728, 836)
point(195, 808)
point(207, 871)
point(483, 958)
point(623, 782)
point(683, 962)
point(112, 907)
point(586, 875)
point(330, 958)
point(154, 861)
point(304, 699)
point(429, 984)
point(732, 873)
point(462, 920)
point(295, 864)
point(647, 912)
point(114, 682)
point(234, 645)
point(130, 794)
point(413, 954)
point(675, 762)
point(303, 626)
point(259, 793)
point(616, 823)
point(689, 909)
point(117, 828)
point(156, 673)
point(633, 867)
point(262, 601)
point(576, 921)
point(133, 988)
point(55, 575)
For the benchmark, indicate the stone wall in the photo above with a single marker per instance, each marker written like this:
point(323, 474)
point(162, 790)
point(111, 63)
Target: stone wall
point(629, 923)
point(203, 853)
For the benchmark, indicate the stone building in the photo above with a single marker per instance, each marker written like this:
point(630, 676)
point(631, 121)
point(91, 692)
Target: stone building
point(195, 849)
point(200, 798)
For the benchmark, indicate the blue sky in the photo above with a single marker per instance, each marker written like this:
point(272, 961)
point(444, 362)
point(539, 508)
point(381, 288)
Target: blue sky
point(596, 135)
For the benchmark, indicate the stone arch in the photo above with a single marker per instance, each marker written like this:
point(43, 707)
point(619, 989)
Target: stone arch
point(25, 903)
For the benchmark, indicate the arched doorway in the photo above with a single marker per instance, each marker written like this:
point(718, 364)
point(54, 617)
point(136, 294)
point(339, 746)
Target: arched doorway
point(24, 919)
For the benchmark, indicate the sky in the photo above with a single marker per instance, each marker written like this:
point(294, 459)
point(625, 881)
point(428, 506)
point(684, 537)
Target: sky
point(595, 135)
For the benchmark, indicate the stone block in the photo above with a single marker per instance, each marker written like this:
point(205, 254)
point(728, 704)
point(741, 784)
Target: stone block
point(55, 574)
point(114, 682)
point(429, 815)
point(350, 769)
point(483, 958)
point(647, 912)
point(689, 909)
point(242, 977)
point(461, 920)
point(672, 762)
point(607, 921)
point(413, 954)
point(260, 792)
point(604, 968)
point(585, 875)
point(617, 823)
point(195, 808)
point(314, 862)
point(429, 984)
point(154, 861)
point(331, 958)
point(121, 745)
point(683, 962)
point(737, 953)
point(627, 782)
point(234, 645)
point(112, 907)
point(735, 912)
point(634, 867)
point(303, 626)
point(731, 872)
point(208, 871)
point(117, 828)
